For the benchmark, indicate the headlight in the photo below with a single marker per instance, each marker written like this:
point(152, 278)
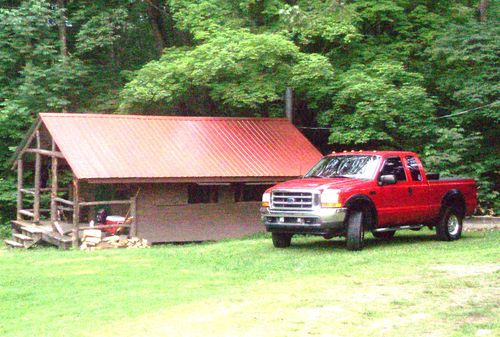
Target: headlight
point(266, 199)
point(330, 198)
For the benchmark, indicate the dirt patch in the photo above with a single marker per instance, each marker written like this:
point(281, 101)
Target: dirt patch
point(464, 270)
point(388, 324)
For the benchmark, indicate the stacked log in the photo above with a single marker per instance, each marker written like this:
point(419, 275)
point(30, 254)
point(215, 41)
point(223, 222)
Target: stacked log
point(95, 239)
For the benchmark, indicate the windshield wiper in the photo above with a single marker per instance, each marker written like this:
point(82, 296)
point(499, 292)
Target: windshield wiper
point(314, 176)
point(340, 176)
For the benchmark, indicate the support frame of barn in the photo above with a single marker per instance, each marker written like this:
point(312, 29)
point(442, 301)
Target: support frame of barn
point(54, 230)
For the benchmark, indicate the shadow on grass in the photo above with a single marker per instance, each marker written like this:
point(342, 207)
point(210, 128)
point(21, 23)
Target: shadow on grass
point(373, 243)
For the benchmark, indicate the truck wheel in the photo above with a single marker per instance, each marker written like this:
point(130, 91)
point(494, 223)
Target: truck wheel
point(355, 234)
point(282, 240)
point(450, 225)
point(384, 235)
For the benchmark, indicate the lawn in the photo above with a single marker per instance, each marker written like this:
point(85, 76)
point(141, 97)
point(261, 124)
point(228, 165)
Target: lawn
point(412, 286)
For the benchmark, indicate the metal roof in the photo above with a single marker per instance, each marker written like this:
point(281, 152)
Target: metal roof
point(117, 147)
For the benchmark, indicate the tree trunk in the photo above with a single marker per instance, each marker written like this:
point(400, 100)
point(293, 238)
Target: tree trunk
point(157, 24)
point(61, 24)
point(483, 6)
point(63, 35)
point(256, 10)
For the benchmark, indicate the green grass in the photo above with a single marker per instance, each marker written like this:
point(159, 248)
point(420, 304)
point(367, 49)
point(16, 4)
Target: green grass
point(412, 286)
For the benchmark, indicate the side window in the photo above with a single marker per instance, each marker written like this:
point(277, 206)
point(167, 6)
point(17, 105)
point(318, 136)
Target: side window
point(414, 169)
point(203, 194)
point(394, 166)
point(247, 192)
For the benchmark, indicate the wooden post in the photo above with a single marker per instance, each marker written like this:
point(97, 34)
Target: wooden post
point(76, 213)
point(53, 192)
point(133, 214)
point(38, 168)
point(19, 187)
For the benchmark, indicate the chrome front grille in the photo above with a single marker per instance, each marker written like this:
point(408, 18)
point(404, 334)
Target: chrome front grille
point(293, 200)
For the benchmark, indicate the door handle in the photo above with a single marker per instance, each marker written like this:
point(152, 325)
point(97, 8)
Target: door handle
point(410, 190)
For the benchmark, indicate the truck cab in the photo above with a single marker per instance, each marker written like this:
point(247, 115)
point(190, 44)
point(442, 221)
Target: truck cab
point(348, 193)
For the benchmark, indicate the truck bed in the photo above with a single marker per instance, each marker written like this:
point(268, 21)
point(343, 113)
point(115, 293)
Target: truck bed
point(438, 189)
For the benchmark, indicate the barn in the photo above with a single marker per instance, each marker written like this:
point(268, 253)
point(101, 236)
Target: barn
point(176, 178)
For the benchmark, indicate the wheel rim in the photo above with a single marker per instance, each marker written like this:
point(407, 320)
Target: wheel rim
point(453, 224)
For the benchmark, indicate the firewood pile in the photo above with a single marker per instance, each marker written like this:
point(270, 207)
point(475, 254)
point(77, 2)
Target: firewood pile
point(95, 239)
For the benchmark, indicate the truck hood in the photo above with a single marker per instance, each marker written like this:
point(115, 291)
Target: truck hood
point(320, 184)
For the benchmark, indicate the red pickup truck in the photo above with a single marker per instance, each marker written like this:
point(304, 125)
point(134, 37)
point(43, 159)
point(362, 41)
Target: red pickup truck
point(346, 194)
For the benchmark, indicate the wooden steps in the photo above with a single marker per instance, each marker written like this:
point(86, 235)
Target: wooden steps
point(13, 244)
point(25, 234)
point(61, 241)
point(26, 240)
point(22, 237)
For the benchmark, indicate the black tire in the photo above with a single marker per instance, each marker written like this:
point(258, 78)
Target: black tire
point(355, 233)
point(450, 224)
point(384, 235)
point(282, 240)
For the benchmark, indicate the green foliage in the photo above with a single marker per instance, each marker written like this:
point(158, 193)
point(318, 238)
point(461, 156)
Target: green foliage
point(101, 30)
point(380, 105)
point(465, 75)
point(377, 72)
point(237, 70)
point(455, 152)
point(322, 24)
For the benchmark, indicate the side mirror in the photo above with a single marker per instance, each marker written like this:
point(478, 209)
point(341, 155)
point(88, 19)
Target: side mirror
point(389, 179)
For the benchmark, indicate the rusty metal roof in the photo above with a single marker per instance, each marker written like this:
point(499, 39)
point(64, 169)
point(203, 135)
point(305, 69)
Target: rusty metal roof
point(117, 147)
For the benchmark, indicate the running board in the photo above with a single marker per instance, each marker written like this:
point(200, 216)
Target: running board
point(396, 228)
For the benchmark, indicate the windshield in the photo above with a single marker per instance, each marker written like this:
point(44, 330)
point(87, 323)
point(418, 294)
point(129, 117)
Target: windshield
point(346, 166)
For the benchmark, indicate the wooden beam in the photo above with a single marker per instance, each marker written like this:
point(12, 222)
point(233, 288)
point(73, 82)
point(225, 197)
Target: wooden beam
point(41, 210)
point(19, 186)
point(109, 202)
point(104, 226)
point(42, 190)
point(46, 153)
point(133, 214)
point(76, 213)
point(62, 208)
point(38, 169)
point(27, 213)
point(64, 201)
point(53, 193)
point(27, 191)
point(28, 141)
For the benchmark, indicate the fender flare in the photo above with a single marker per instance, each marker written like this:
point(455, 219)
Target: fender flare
point(365, 199)
point(449, 196)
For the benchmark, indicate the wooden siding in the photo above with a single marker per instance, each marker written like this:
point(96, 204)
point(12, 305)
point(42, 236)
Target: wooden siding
point(161, 221)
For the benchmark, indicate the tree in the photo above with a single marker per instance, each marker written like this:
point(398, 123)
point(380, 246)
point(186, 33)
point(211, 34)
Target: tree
point(232, 72)
point(379, 106)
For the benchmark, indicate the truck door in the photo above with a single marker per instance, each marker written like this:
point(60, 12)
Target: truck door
point(418, 189)
point(393, 201)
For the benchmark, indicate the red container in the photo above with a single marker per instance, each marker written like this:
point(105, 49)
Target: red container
point(113, 220)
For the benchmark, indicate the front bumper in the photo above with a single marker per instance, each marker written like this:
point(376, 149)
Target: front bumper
point(321, 221)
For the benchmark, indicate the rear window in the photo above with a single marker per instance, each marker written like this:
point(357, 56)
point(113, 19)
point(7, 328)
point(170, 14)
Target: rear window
point(414, 169)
